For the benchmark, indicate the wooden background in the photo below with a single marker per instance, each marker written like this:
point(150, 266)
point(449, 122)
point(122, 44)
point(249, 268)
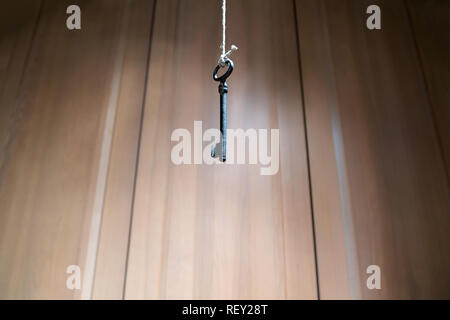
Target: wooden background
point(86, 177)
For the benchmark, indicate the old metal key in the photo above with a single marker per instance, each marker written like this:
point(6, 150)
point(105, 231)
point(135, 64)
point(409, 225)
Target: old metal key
point(220, 149)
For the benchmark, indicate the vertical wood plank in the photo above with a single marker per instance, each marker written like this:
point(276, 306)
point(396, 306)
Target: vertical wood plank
point(17, 29)
point(430, 22)
point(50, 183)
point(384, 199)
point(223, 231)
point(113, 243)
point(327, 161)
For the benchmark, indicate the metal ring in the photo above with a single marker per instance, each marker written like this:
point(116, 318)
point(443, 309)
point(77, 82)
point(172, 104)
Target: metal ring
point(224, 77)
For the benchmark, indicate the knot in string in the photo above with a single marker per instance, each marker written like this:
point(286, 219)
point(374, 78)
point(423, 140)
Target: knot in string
point(226, 56)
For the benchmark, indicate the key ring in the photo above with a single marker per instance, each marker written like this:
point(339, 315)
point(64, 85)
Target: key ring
point(223, 77)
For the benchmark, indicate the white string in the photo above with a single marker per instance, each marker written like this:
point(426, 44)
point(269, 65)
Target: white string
point(224, 25)
point(224, 56)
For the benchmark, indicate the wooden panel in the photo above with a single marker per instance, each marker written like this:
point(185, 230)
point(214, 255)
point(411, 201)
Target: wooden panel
point(323, 130)
point(222, 231)
point(380, 192)
point(17, 27)
point(52, 192)
point(430, 22)
point(113, 245)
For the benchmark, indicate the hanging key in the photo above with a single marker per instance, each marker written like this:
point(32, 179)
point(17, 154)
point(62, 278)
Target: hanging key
point(220, 149)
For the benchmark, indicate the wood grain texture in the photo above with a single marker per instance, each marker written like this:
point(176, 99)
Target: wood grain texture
point(49, 186)
point(430, 22)
point(224, 231)
point(86, 178)
point(15, 47)
point(113, 243)
point(383, 198)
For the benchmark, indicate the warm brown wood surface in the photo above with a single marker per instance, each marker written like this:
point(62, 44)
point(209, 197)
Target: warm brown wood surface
point(380, 191)
point(113, 242)
point(49, 186)
point(222, 231)
point(15, 47)
point(430, 21)
point(86, 178)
